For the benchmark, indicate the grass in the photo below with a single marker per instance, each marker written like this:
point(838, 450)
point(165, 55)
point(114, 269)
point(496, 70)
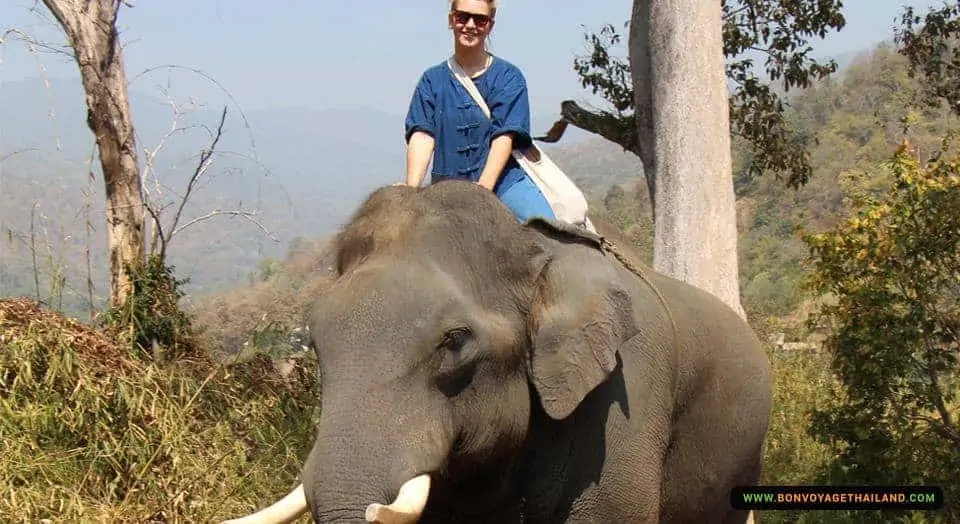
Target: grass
point(88, 435)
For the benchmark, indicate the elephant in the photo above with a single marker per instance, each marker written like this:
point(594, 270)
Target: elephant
point(479, 369)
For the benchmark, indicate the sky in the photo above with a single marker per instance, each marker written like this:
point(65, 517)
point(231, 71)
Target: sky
point(323, 54)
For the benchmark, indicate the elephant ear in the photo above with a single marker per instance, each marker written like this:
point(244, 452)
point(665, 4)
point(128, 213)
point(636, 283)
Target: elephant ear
point(580, 318)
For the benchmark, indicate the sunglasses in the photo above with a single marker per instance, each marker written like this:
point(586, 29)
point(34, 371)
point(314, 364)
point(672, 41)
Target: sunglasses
point(462, 17)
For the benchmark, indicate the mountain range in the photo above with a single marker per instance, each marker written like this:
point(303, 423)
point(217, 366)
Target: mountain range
point(293, 172)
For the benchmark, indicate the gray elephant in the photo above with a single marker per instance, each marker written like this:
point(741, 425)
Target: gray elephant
point(475, 369)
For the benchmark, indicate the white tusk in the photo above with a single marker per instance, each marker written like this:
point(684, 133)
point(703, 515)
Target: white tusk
point(407, 508)
point(284, 511)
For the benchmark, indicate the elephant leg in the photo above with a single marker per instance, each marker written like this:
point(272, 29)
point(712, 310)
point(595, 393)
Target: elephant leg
point(628, 487)
point(700, 471)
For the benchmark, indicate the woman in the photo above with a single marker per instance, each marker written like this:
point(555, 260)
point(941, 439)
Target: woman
point(445, 123)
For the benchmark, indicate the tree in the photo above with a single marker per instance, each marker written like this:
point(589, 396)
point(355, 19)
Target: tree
point(779, 30)
point(684, 140)
point(91, 30)
point(932, 44)
point(890, 278)
point(666, 106)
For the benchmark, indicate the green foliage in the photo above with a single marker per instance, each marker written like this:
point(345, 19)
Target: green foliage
point(88, 435)
point(604, 73)
point(151, 319)
point(266, 269)
point(890, 276)
point(859, 117)
point(771, 283)
point(801, 382)
point(932, 43)
point(780, 30)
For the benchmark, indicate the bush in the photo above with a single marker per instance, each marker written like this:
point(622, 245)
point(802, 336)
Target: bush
point(267, 316)
point(151, 321)
point(892, 274)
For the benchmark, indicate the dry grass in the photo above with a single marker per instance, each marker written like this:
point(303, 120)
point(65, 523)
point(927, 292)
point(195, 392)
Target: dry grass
point(87, 435)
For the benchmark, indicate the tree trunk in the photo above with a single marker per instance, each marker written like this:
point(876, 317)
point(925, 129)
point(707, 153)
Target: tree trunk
point(91, 29)
point(683, 125)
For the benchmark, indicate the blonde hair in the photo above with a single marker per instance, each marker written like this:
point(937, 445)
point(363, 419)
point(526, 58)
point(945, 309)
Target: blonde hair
point(493, 6)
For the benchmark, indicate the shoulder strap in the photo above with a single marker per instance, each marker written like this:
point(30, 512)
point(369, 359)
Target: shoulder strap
point(467, 84)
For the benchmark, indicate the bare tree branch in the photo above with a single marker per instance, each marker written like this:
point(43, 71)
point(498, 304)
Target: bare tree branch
point(155, 218)
point(207, 77)
point(56, 9)
point(202, 166)
point(249, 215)
point(18, 152)
point(620, 130)
point(946, 421)
point(948, 432)
point(150, 167)
point(33, 43)
point(162, 236)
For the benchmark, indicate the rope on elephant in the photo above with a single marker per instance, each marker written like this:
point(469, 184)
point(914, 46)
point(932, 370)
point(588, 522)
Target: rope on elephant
point(606, 246)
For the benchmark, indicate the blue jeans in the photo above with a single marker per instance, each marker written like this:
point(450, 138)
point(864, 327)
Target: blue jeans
point(525, 200)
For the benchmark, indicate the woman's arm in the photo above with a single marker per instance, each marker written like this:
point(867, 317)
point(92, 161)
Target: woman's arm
point(420, 130)
point(510, 112)
point(500, 151)
point(419, 151)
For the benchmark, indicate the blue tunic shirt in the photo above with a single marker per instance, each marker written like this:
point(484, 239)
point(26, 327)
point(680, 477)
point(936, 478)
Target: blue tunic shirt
point(462, 133)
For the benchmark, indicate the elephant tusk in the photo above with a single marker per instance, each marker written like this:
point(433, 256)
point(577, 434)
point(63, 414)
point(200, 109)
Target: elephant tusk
point(284, 511)
point(407, 508)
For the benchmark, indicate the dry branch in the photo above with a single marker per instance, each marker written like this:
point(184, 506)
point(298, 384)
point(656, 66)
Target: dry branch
point(202, 166)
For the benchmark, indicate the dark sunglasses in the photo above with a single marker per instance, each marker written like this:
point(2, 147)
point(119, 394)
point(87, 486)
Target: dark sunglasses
point(462, 17)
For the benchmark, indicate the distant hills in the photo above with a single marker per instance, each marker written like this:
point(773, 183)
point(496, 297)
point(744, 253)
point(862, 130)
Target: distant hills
point(302, 170)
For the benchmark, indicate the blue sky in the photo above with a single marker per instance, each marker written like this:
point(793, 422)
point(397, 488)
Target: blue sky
point(345, 54)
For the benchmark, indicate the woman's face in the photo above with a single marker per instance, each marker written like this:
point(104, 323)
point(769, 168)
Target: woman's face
point(471, 22)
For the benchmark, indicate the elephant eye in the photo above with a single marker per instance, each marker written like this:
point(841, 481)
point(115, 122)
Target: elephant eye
point(454, 339)
point(457, 354)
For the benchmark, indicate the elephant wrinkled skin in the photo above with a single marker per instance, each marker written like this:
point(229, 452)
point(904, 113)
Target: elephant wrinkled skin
point(519, 373)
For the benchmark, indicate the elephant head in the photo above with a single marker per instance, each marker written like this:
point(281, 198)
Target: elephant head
point(447, 326)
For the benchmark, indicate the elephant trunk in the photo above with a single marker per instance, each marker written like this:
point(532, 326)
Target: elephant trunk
point(360, 471)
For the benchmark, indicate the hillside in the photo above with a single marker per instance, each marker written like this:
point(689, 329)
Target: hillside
point(300, 173)
point(858, 119)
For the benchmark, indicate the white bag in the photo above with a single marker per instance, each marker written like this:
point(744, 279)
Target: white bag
point(565, 198)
